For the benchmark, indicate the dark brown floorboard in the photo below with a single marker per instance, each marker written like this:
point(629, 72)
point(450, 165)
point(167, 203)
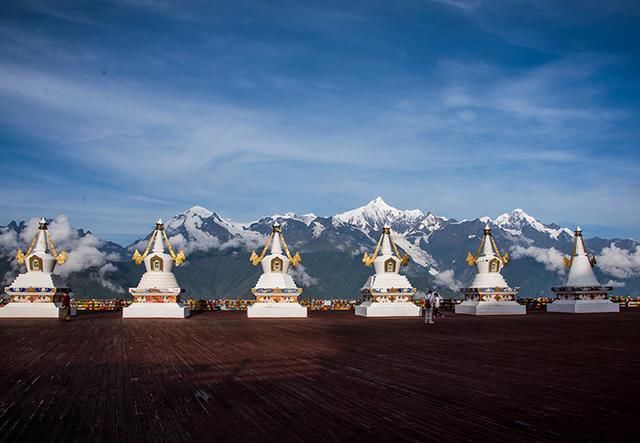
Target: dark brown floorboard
point(219, 376)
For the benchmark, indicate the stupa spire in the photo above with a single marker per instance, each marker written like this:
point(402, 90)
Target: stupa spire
point(385, 247)
point(487, 248)
point(43, 245)
point(275, 244)
point(156, 244)
point(386, 241)
point(580, 264)
point(41, 241)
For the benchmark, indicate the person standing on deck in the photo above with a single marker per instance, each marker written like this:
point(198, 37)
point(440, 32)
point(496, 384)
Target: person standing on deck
point(436, 304)
point(65, 312)
point(429, 301)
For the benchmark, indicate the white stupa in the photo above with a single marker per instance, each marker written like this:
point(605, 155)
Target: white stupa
point(158, 293)
point(582, 293)
point(276, 293)
point(489, 294)
point(38, 292)
point(387, 293)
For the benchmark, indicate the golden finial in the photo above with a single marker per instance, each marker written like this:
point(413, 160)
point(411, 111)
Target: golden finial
point(255, 259)
point(179, 258)
point(20, 256)
point(137, 257)
point(367, 259)
point(471, 259)
point(295, 260)
point(61, 258)
point(404, 260)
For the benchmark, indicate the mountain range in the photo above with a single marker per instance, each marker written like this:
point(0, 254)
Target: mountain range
point(331, 247)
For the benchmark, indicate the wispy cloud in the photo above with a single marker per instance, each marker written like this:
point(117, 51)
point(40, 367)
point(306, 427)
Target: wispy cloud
point(618, 262)
point(251, 115)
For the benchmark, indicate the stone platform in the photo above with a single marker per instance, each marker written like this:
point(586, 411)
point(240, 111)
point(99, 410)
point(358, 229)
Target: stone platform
point(390, 309)
point(32, 310)
point(156, 310)
point(276, 310)
point(583, 306)
point(490, 308)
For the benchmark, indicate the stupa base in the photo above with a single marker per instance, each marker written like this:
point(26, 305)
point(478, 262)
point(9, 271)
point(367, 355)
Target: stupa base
point(276, 310)
point(583, 306)
point(371, 308)
point(33, 310)
point(156, 310)
point(490, 308)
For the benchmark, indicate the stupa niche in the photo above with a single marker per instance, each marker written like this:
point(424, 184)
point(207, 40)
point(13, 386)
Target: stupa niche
point(582, 293)
point(276, 293)
point(489, 293)
point(38, 292)
point(387, 293)
point(158, 293)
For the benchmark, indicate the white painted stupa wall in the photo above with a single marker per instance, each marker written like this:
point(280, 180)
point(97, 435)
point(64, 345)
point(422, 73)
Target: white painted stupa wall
point(274, 280)
point(35, 279)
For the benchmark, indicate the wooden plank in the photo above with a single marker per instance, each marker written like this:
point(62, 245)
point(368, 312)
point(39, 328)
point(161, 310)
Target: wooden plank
point(218, 375)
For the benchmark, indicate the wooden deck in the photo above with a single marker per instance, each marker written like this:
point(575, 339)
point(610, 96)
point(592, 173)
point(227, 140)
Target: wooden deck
point(219, 376)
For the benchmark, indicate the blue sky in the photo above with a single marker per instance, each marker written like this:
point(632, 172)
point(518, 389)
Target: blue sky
point(115, 113)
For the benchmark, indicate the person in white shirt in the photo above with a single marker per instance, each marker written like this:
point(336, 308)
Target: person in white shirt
point(436, 305)
point(430, 304)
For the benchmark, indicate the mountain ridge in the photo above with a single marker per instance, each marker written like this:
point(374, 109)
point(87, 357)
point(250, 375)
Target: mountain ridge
point(332, 247)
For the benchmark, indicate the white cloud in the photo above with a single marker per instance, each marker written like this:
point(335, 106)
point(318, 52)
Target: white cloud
point(447, 279)
point(621, 263)
point(8, 242)
point(108, 268)
point(301, 276)
point(359, 251)
point(206, 242)
point(551, 258)
point(615, 284)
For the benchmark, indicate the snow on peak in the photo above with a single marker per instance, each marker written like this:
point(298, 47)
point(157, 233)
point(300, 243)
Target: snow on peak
point(375, 214)
point(515, 221)
point(198, 211)
point(307, 219)
point(378, 202)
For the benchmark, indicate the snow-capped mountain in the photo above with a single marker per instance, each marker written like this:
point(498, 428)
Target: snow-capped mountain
point(373, 216)
point(199, 229)
point(519, 222)
point(217, 249)
point(307, 219)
